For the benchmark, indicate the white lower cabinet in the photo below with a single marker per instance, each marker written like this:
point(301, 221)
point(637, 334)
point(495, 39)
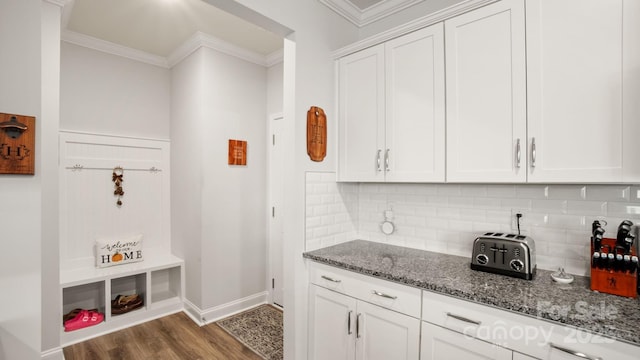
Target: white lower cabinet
point(331, 325)
point(524, 337)
point(384, 334)
point(342, 327)
point(443, 344)
point(352, 316)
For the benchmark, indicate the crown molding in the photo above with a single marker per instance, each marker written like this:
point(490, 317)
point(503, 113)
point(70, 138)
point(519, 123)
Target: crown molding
point(192, 44)
point(111, 48)
point(275, 57)
point(200, 39)
point(373, 13)
point(414, 25)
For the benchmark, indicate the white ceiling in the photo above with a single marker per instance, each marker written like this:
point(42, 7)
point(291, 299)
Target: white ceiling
point(158, 27)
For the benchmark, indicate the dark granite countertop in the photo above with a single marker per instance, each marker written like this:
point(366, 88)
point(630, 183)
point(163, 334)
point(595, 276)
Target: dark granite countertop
point(572, 304)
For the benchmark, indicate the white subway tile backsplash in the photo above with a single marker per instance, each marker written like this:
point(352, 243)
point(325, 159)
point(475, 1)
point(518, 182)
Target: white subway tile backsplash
point(472, 191)
point(437, 200)
point(448, 190)
point(531, 191)
point(566, 192)
point(534, 219)
point(498, 216)
point(464, 226)
point(473, 214)
point(501, 191)
point(630, 210)
point(483, 227)
point(570, 222)
point(518, 204)
point(447, 217)
point(550, 206)
point(450, 213)
point(591, 208)
point(461, 202)
point(608, 192)
point(486, 203)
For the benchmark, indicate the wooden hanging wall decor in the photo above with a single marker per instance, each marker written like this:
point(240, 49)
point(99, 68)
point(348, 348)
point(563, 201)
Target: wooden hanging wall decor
point(17, 144)
point(316, 134)
point(118, 173)
point(237, 152)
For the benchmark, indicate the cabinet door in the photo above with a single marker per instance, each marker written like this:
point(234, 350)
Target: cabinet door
point(361, 115)
point(574, 74)
point(331, 325)
point(384, 334)
point(414, 66)
point(442, 344)
point(486, 94)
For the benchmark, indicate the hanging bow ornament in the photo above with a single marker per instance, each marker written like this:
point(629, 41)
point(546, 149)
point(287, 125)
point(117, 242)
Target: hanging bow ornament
point(117, 178)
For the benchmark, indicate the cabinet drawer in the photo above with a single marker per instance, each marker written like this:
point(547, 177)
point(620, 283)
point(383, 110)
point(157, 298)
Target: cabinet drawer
point(400, 298)
point(528, 335)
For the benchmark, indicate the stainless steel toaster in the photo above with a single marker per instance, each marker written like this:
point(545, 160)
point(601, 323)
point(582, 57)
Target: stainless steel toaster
point(506, 254)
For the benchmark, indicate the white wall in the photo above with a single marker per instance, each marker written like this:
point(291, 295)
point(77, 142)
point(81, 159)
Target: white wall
point(109, 94)
point(186, 180)
point(28, 87)
point(308, 81)
point(219, 210)
point(275, 74)
point(234, 232)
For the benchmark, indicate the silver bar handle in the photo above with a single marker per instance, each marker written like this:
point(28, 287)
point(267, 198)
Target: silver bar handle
point(386, 160)
point(358, 326)
point(331, 279)
point(462, 318)
point(349, 332)
point(518, 152)
point(533, 152)
point(376, 292)
point(378, 160)
point(573, 352)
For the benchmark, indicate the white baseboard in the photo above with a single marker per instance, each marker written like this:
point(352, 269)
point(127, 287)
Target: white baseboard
point(53, 354)
point(207, 316)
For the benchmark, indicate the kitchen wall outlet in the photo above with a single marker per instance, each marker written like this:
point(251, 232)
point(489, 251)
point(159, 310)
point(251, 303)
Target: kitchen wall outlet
point(514, 220)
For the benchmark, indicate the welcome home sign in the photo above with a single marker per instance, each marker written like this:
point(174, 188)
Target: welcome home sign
point(118, 251)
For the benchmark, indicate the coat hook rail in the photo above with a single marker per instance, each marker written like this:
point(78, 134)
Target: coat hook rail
point(152, 169)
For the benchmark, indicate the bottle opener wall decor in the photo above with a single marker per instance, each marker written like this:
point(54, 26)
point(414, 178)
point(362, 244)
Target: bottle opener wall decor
point(316, 134)
point(17, 144)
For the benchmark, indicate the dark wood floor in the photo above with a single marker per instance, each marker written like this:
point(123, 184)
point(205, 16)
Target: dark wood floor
point(172, 337)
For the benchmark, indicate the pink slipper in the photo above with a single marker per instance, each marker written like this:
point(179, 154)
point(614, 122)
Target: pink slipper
point(84, 319)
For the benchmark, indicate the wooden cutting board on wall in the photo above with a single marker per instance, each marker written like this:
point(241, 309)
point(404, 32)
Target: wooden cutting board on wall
point(316, 134)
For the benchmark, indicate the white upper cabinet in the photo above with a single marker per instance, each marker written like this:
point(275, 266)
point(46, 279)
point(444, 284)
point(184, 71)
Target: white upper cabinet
point(486, 94)
point(361, 115)
point(391, 110)
point(546, 95)
point(575, 90)
point(415, 106)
